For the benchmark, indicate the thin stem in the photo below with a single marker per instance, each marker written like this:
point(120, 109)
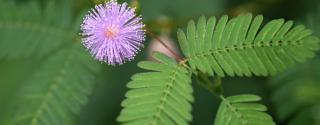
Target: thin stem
point(217, 86)
point(177, 57)
point(214, 88)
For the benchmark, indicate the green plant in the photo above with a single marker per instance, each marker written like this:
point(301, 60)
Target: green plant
point(55, 93)
point(212, 50)
point(219, 48)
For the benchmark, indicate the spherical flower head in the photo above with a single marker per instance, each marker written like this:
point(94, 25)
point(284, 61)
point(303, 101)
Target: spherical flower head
point(113, 33)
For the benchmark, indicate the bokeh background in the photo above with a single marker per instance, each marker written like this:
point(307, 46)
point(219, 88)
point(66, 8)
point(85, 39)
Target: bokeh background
point(292, 97)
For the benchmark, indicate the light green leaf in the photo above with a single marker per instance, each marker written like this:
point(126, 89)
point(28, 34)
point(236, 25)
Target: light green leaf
point(242, 110)
point(159, 97)
point(241, 47)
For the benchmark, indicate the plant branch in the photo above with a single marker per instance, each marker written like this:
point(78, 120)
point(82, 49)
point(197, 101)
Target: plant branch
point(176, 56)
point(215, 88)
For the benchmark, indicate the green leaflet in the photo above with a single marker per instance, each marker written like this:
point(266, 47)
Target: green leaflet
point(56, 92)
point(240, 47)
point(159, 97)
point(299, 86)
point(242, 110)
point(29, 30)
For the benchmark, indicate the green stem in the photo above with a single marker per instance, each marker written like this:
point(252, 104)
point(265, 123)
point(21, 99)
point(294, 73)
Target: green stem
point(215, 88)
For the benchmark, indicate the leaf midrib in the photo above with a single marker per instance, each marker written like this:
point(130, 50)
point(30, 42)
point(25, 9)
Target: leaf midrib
point(55, 84)
point(159, 111)
point(234, 110)
point(243, 47)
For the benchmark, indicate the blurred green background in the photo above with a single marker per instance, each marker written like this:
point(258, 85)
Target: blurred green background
point(293, 97)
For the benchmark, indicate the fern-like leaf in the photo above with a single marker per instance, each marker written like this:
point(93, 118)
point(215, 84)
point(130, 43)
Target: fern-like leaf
point(160, 97)
point(239, 47)
point(299, 87)
point(242, 110)
point(29, 30)
point(55, 93)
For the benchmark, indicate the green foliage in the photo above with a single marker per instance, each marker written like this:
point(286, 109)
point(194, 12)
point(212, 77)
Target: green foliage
point(57, 90)
point(312, 20)
point(181, 10)
point(159, 97)
point(239, 47)
point(242, 110)
point(299, 87)
point(235, 47)
point(55, 93)
point(30, 31)
point(310, 115)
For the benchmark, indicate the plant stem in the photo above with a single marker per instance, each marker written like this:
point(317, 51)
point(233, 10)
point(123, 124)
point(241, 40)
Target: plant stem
point(215, 88)
point(176, 56)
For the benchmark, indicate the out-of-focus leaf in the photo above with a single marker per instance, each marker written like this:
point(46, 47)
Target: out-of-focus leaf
point(29, 30)
point(56, 92)
point(296, 91)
